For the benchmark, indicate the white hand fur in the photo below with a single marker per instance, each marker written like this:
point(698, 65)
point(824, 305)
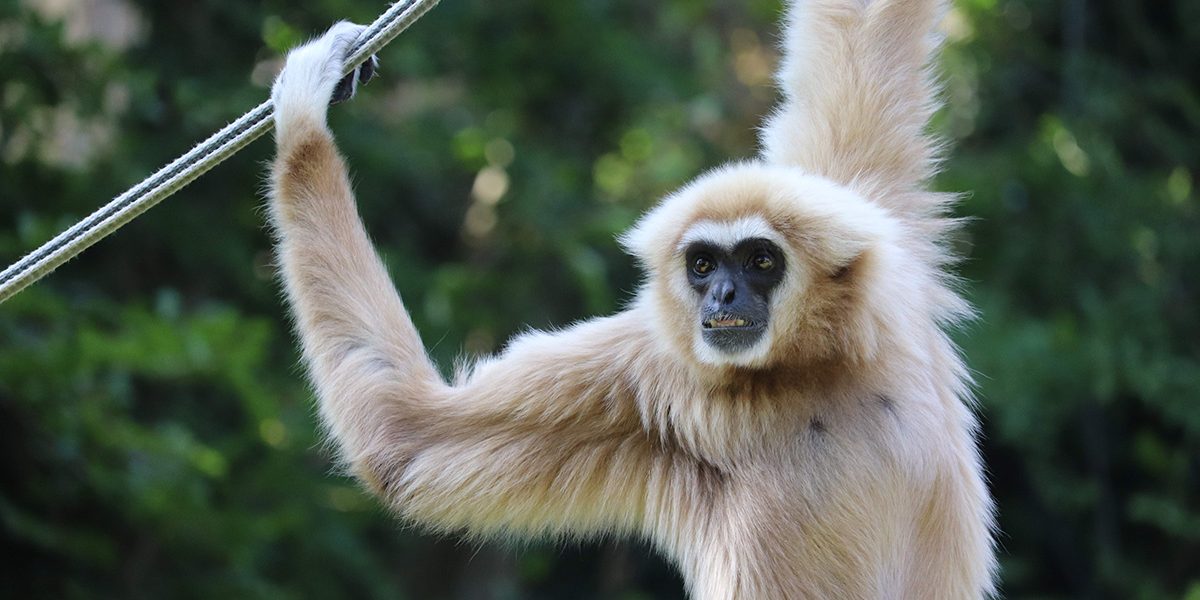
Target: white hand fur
point(310, 75)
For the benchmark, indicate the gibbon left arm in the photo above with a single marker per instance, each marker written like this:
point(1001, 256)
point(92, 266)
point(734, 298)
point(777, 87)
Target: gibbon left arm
point(857, 97)
point(544, 438)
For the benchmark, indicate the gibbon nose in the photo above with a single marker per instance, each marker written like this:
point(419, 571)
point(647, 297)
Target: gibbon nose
point(724, 292)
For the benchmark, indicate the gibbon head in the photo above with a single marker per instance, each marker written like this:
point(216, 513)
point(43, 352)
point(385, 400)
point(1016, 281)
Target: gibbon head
point(753, 265)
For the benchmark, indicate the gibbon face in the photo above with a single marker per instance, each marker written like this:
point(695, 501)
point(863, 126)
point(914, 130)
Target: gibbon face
point(751, 265)
point(733, 282)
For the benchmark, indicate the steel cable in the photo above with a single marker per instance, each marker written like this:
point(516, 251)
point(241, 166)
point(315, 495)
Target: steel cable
point(185, 169)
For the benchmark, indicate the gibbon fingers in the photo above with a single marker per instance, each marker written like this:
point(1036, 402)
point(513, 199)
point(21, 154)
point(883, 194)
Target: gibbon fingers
point(779, 410)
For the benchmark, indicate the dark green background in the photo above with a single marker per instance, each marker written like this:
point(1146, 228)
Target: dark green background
point(157, 434)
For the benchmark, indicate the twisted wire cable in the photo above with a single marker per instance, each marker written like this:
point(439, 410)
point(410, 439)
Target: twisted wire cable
point(185, 169)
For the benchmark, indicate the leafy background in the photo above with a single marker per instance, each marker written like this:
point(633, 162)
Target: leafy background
point(158, 437)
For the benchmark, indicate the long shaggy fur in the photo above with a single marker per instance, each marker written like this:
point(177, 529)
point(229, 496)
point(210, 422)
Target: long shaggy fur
point(834, 459)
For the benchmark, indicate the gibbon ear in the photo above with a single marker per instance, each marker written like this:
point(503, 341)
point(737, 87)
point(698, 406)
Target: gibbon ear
point(635, 239)
point(846, 272)
point(839, 241)
point(646, 240)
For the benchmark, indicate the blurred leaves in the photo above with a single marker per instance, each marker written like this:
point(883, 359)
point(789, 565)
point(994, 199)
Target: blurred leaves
point(1085, 260)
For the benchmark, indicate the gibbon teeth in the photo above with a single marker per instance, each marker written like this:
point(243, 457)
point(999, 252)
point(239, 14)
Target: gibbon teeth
point(726, 323)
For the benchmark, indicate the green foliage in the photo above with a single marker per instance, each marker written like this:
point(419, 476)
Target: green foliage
point(1084, 258)
point(159, 437)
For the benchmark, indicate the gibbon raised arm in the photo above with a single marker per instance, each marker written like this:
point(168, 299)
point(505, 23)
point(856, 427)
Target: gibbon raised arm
point(778, 411)
point(858, 94)
point(546, 439)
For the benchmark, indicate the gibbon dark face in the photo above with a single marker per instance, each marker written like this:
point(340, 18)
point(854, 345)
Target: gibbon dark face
point(734, 286)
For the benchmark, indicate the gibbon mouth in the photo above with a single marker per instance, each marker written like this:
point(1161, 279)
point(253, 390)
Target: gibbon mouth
point(732, 333)
point(728, 321)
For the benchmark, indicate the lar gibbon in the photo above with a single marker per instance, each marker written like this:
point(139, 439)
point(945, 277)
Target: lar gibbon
point(779, 410)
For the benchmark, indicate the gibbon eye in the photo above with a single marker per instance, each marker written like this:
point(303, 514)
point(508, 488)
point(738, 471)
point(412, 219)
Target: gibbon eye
point(702, 266)
point(763, 262)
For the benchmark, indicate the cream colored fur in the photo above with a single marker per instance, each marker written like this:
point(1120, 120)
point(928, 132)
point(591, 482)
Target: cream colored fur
point(835, 459)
